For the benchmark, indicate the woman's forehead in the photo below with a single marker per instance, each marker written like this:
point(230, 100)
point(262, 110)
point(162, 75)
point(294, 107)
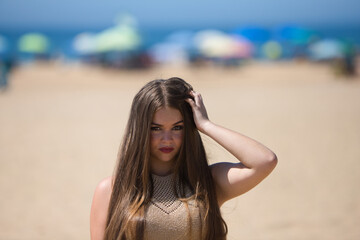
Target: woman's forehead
point(167, 115)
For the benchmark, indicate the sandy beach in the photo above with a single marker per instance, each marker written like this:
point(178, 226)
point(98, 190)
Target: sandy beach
point(61, 126)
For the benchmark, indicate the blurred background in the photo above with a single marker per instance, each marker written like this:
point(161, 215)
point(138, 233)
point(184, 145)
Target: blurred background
point(283, 72)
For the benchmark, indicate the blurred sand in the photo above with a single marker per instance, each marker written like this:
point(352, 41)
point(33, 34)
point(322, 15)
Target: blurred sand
point(60, 127)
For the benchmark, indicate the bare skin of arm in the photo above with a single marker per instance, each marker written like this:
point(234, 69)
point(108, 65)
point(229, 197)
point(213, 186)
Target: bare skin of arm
point(255, 160)
point(99, 209)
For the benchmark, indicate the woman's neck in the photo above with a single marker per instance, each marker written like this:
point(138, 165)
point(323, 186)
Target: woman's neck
point(162, 168)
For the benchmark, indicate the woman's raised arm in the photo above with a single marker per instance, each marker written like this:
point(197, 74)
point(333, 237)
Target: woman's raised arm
point(256, 160)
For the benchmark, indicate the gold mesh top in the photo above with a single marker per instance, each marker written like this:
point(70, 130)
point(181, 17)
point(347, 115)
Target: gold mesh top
point(168, 218)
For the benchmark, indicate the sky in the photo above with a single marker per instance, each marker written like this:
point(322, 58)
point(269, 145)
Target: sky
point(67, 14)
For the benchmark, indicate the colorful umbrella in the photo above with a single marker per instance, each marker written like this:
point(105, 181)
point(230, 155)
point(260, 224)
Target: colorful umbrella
point(216, 44)
point(242, 48)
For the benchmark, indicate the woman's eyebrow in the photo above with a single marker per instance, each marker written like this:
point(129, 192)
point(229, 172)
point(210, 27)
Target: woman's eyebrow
point(157, 124)
point(181, 121)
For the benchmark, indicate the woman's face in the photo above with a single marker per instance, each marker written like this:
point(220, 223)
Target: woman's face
point(167, 131)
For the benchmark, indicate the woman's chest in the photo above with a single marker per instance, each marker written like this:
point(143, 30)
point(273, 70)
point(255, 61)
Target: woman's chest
point(168, 217)
point(178, 220)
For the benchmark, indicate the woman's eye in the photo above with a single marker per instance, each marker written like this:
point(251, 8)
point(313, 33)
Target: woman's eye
point(177, 128)
point(155, 128)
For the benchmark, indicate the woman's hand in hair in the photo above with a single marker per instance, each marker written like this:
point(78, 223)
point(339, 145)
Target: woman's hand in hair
point(199, 111)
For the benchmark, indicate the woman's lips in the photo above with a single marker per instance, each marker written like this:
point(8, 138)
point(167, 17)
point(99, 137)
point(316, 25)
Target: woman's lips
point(166, 149)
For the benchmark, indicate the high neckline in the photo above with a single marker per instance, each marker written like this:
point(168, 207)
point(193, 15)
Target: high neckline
point(162, 176)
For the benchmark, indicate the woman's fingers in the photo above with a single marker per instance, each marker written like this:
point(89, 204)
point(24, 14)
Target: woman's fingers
point(191, 102)
point(198, 108)
point(197, 97)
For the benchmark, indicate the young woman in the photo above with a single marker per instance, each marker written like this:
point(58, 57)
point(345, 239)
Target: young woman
point(163, 187)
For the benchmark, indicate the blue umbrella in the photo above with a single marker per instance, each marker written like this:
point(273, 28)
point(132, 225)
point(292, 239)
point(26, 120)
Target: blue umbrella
point(295, 34)
point(254, 34)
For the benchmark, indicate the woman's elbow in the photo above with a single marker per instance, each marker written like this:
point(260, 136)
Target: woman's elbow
point(273, 160)
point(270, 161)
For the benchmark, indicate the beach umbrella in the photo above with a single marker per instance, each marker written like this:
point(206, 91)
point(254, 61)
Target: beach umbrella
point(213, 44)
point(167, 52)
point(326, 49)
point(242, 48)
point(35, 43)
point(182, 38)
point(253, 34)
point(118, 38)
point(175, 49)
point(295, 35)
point(85, 43)
point(272, 50)
point(216, 44)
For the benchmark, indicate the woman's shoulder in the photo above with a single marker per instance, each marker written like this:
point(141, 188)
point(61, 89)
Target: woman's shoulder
point(104, 187)
point(102, 197)
point(103, 193)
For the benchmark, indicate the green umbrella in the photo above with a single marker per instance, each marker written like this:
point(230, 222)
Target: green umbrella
point(118, 38)
point(35, 43)
point(272, 50)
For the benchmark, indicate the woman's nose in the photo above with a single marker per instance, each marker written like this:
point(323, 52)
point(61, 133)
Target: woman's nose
point(167, 135)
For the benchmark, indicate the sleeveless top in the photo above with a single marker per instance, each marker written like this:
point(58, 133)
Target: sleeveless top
point(167, 217)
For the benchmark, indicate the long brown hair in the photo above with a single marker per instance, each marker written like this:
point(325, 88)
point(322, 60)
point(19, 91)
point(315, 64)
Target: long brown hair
point(132, 186)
